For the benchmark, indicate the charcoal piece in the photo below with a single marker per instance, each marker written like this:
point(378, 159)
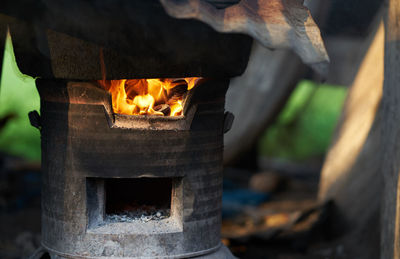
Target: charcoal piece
point(179, 90)
point(164, 108)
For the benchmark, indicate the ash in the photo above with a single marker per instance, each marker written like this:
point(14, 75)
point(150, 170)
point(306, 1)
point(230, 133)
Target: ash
point(138, 215)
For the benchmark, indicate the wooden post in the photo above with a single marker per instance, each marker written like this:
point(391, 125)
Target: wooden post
point(352, 174)
point(3, 36)
point(390, 221)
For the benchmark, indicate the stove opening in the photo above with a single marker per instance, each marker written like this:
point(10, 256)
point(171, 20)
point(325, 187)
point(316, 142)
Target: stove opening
point(131, 199)
point(156, 96)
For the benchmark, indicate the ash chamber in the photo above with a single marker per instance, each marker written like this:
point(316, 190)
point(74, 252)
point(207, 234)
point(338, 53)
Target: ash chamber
point(138, 199)
point(130, 186)
point(134, 200)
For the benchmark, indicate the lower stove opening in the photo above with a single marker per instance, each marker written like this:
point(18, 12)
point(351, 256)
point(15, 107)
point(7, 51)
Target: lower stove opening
point(142, 199)
point(134, 201)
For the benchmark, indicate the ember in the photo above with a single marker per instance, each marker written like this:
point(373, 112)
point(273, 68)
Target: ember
point(162, 97)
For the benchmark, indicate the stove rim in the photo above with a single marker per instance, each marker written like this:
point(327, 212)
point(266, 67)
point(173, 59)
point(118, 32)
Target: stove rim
point(77, 92)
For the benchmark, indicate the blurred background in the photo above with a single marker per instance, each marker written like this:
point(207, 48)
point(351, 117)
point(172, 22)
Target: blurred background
point(280, 155)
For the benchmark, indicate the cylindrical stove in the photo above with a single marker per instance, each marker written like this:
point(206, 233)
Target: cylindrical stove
point(130, 186)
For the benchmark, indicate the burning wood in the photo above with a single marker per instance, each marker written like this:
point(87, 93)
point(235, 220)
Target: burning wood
point(164, 108)
point(162, 97)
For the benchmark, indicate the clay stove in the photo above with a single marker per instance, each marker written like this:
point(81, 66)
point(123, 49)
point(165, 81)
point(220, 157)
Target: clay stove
point(130, 185)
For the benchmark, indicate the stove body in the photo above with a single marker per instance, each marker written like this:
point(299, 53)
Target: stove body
point(89, 154)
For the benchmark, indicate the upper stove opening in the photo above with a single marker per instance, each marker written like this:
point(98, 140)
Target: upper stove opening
point(159, 97)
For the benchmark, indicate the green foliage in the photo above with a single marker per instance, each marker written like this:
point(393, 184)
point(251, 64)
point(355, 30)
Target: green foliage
point(304, 128)
point(18, 96)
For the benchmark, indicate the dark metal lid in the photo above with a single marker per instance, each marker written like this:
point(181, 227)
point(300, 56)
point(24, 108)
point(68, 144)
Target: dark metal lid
point(128, 39)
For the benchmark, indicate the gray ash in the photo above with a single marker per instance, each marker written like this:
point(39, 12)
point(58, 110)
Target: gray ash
point(138, 215)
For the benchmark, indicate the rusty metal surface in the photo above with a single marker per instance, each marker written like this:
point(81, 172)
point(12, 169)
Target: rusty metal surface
point(77, 143)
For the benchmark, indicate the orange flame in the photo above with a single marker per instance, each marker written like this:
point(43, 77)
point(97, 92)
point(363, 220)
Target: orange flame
point(162, 97)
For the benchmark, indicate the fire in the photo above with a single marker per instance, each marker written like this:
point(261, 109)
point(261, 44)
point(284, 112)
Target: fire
point(163, 97)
